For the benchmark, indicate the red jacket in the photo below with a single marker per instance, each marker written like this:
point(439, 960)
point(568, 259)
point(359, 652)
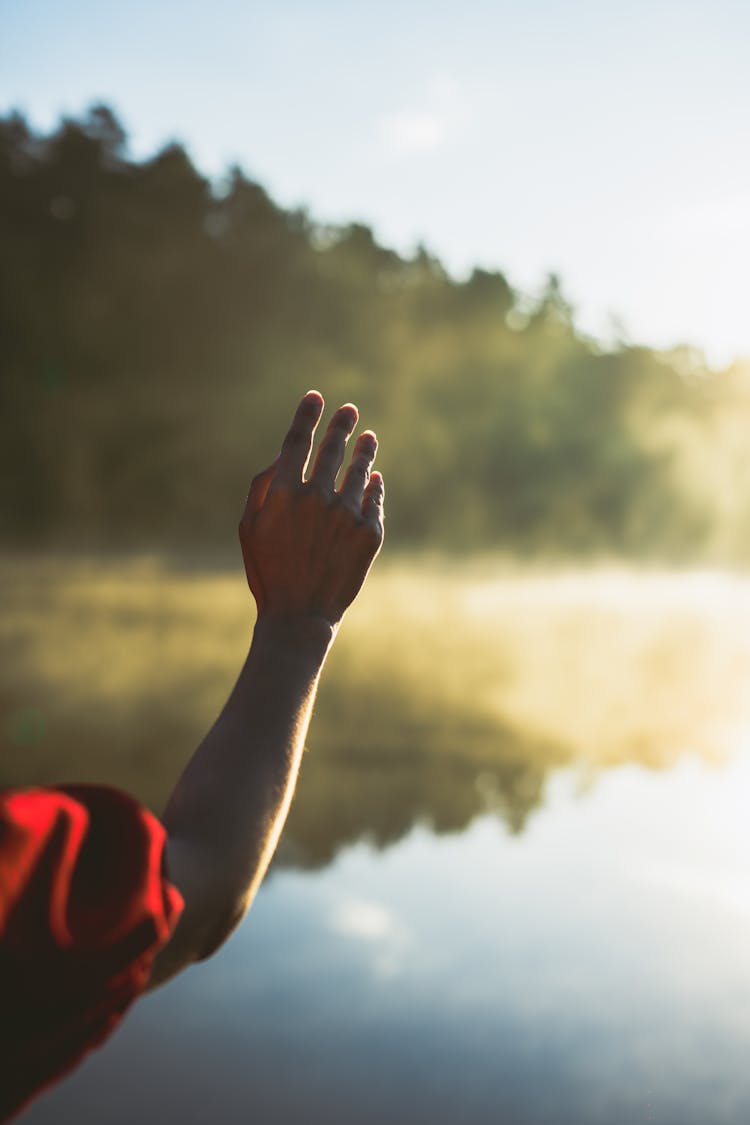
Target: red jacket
point(84, 908)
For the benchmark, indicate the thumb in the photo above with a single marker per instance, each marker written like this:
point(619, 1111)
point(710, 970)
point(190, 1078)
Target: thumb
point(259, 489)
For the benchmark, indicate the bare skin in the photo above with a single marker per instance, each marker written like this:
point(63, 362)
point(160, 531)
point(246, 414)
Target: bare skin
point(307, 547)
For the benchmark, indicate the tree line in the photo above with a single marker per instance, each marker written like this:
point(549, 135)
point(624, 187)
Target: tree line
point(156, 330)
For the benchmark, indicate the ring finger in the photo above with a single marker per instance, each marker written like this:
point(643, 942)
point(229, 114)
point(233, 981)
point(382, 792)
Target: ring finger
point(358, 473)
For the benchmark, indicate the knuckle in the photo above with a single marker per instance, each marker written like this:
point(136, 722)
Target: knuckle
point(338, 438)
point(295, 436)
point(317, 492)
point(330, 453)
point(350, 509)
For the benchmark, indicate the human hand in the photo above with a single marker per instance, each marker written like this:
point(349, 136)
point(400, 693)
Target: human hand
point(307, 547)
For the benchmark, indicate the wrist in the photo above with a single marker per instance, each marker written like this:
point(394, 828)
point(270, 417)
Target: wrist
point(295, 632)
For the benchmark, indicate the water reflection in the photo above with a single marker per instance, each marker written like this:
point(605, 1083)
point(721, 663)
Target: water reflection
point(593, 969)
point(113, 670)
point(343, 798)
point(514, 885)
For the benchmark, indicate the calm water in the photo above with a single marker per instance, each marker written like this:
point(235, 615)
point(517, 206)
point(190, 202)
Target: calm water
point(595, 968)
point(513, 887)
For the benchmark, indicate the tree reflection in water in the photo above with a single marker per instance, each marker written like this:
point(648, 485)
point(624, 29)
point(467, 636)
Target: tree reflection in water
point(583, 963)
point(114, 670)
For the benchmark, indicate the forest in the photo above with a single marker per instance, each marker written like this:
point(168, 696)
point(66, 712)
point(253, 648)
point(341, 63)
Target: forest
point(157, 328)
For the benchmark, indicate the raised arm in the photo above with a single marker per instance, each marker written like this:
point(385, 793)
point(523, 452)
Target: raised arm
point(307, 548)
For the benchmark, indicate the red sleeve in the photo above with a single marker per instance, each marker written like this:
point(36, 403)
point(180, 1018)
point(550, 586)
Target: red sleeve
point(84, 908)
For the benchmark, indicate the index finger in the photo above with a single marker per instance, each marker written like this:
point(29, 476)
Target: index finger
point(295, 451)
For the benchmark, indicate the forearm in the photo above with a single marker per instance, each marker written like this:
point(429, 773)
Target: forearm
point(228, 808)
point(307, 548)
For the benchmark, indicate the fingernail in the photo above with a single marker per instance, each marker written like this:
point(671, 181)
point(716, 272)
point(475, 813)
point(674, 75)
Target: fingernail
point(313, 405)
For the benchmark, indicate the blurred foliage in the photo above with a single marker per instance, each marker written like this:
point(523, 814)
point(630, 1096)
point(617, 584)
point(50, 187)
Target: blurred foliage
point(156, 330)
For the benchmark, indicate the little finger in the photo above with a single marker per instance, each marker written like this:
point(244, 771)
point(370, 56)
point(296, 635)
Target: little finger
point(373, 503)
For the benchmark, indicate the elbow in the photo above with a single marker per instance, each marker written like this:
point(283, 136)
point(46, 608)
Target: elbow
point(198, 935)
point(212, 912)
point(221, 928)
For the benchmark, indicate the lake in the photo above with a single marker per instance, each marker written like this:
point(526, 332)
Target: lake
point(515, 884)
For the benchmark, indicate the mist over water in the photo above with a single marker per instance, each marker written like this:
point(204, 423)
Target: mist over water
point(452, 689)
point(515, 884)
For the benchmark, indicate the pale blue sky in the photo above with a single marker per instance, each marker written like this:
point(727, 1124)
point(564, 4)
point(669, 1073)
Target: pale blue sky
point(607, 141)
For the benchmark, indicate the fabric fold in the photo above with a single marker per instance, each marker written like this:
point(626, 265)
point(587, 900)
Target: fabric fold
point(84, 908)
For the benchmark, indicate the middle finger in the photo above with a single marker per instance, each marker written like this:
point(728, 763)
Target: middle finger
point(331, 450)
